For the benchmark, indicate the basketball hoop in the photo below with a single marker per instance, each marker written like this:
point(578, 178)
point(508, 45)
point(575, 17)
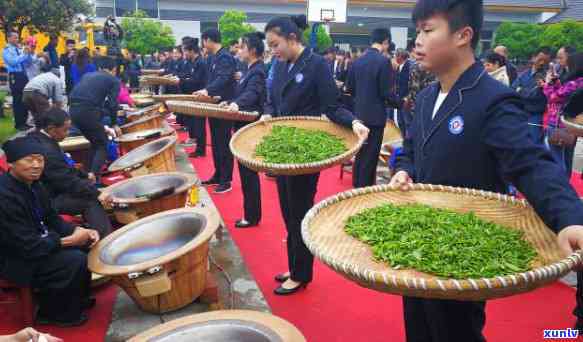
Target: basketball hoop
point(327, 11)
point(327, 15)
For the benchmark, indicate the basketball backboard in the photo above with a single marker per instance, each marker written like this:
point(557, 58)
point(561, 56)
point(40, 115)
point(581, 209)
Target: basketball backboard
point(329, 11)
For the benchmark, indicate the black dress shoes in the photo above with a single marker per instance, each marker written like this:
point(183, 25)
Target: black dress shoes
point(211, 181)
point(281, 278)
point(282, 291)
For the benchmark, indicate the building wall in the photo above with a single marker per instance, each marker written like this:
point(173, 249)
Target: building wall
point(189, 17)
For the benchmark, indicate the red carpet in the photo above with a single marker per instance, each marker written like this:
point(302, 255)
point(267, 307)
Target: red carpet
point(335, 309)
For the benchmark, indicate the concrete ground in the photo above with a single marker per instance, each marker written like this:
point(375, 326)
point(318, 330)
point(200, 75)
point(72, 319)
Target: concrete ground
point(237, 287)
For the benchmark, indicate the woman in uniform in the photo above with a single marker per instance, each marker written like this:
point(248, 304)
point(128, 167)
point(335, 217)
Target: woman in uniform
point(302, 85)
point(250, 97)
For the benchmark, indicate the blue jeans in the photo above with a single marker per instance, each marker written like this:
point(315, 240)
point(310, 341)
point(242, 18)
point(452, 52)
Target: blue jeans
point(536, 132)
point(562, 155)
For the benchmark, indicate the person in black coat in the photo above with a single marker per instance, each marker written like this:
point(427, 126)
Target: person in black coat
point(302, 85)
point(91, 99)
point(471, 131)
point(371, 82)
point(250, 97)
point(37, 248)
point(73, 191)
point(193, 77)
point(66, 60)
point(221, 83)
point(403, 74)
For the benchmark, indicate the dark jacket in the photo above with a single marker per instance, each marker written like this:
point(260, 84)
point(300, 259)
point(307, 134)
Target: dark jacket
point(193, 75)
point(251, 91)
point(58, 177)
point(221, 81)
point(67, 63)
point(97, 90)
point(535, 101)
point(370, 82)
point(308, 89)
point(22, 246)
point(402, 84)
point(512, 72)
point(479, 139)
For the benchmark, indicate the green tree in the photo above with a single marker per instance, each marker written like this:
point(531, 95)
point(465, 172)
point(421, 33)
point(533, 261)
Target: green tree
point(522, 40)
point(233, 26)
point(323, 38)
point(145, 36)
point(568, 32)
point(51, 17)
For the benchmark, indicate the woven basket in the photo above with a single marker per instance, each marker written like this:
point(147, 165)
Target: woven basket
point(186, 97)
point(323, 233)
point(151, 80)
point(152, 71)
point(209, 110)
point(244, 143)
point(574, 125)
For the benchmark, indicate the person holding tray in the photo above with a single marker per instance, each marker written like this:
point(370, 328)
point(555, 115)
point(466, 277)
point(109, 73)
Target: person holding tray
point(193, 76)
point(221, 83)
point(471, 131)
point(251, 93)
point(302, 85)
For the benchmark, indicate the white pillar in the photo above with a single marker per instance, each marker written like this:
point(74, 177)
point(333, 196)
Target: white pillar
point(399, 36)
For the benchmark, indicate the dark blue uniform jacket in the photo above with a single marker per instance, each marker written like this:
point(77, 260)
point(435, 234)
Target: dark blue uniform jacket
point(222, 70)
point(251, 91)
point(478, 139)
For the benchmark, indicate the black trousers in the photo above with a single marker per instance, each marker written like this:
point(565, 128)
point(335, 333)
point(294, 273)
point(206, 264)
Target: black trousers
point(88, 120)
point(197, 131)
point(364, 171)
point(62, 280)
point(17, 82)
point(221, 131)
point(437, 320)
point(404, 119)
point(251, 189)
point(578, 312)
point(296, 197)
point(91, 210)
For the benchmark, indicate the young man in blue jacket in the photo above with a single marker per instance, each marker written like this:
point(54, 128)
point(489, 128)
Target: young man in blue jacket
point(471, 131)
point(371, 83)
point(221, 82)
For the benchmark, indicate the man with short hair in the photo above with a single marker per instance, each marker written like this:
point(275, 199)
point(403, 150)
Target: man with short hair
point(42, 92)
point(37, 248)
point(16, 60)
point(402, 87)
point(73, 191)
point(370, 81)
point(510, 68)
point(220, 83)
point(529, 86)
point(92, 98)
point(66, 61)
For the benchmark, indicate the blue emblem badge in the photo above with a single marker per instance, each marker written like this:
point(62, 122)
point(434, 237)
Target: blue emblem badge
point(299, 78)
point(456, 125)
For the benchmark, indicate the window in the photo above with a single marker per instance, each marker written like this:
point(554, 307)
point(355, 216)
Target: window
point(150, 7)
point(125, 7)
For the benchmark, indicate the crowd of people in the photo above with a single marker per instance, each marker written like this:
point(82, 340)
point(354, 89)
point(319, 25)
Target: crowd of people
point(465, 122)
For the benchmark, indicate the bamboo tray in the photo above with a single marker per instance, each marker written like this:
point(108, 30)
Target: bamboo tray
point(574, 125)
point(245, 141)
point(186, 97)
point(209, 110)
point(323, 233)
point(158, 80)
point(152, 71)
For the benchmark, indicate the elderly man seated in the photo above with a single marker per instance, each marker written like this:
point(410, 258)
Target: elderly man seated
point(73, 191)
point(37, 248)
